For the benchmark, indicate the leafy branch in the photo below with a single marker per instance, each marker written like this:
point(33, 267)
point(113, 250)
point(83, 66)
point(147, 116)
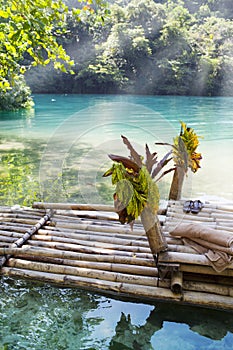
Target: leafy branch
point(184, 149)
point(134, 183)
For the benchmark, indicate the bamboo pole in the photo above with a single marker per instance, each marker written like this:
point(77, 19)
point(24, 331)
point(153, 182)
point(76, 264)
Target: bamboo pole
point(228, 207)
point(27, 221)
point(86, 250)
point(177, 282)
point(106, 266)
point(27, 235)
point(216, 280)
point(74, 206)
point(10, 234)
point(192, 217)
point(202, 214)
point(3, 244)
point(208, 209)
point(100, 228)
point(15, 228)
point(153, 231)
point(61, 254)
point(121, 288)
point(97, 237)
point(97, 227)
point(123, 278)
point(79, 206)
point(174, 244)
point(139, 292)
point(204, 270)
point(196, 259)
point(177, 184)
point(85, 272)
point(7, 239)
point(115, 244)
point(20, 215)
point(208, 300)
point(92, 243)
point(170, 225)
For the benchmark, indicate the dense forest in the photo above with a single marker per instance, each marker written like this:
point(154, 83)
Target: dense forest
point(179, 47)
point(147, 47)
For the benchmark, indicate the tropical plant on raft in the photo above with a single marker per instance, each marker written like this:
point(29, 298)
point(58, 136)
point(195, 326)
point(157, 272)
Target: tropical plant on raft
point(136, 192)
point(184, 157)
point(134, 181)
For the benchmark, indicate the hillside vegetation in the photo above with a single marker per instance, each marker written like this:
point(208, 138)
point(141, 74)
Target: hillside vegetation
point(147, 47)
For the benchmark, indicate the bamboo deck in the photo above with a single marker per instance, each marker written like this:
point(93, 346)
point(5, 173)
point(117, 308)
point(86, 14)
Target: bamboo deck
point(85, 246)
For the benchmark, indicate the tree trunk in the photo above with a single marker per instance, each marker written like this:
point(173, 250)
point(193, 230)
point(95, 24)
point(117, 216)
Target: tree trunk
point(153, 231)
point(177, 184)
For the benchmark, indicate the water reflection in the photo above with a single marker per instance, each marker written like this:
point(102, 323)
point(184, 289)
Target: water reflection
point(211, 324)
point(40, 317)
point(35, 316)
point(19, 162)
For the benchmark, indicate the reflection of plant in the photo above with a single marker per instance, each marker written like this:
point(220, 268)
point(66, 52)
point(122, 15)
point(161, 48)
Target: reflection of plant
point(134, 183)
point(17, 182)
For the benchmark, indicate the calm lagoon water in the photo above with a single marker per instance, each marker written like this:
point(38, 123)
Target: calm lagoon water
point(76, 132)
point(65, 142)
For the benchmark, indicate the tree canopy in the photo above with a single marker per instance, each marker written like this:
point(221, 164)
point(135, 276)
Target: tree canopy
point(34, 29)
point(150, 47)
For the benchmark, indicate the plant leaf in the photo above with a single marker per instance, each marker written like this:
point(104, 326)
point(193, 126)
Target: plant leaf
point(161, 164)
point(133, 154)
point(128, 163)
point(166, 172)
point(151, 159)
point(107, 173)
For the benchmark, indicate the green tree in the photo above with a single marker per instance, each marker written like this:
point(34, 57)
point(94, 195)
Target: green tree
point(124, 57)
point(33, 29)
point(145, 46)
point(18, 95)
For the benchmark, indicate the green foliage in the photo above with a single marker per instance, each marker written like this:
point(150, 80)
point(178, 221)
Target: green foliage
point(134, 191)
point(184, 149)
point(163, 47)
point(31, 33)
point(30, 27)
point(19, 96)
point(134, 181)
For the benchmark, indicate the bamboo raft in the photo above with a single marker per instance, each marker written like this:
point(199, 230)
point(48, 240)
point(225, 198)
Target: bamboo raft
point(85, 246)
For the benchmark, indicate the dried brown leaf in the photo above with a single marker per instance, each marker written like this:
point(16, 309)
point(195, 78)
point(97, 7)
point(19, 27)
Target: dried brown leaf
point(128, 163)
point(162, 164)
point(151, 159)
point(133, 153)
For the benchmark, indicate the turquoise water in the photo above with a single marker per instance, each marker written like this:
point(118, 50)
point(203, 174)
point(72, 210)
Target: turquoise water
point(76, 132)
point(65, 141)
point(40, 317)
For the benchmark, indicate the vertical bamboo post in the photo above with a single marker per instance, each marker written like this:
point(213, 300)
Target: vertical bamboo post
point(153, 231)
point(177, 183)
point(177, 282)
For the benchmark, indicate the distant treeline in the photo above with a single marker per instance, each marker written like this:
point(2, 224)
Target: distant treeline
point(147, 47)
